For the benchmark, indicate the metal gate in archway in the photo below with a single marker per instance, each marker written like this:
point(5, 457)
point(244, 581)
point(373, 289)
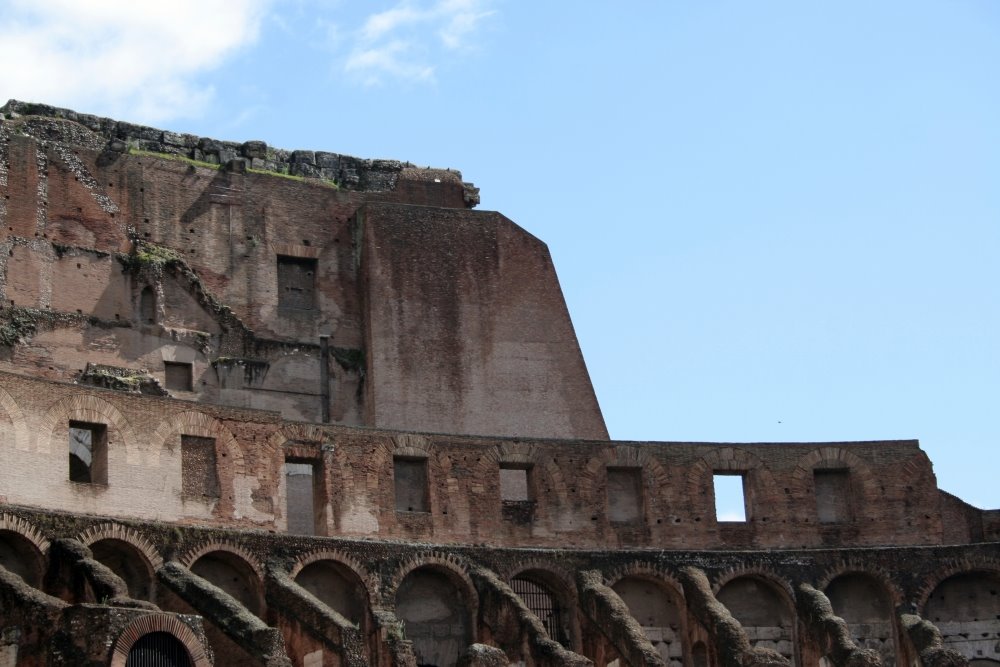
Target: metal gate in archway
point(158, 649)
point(544, 605)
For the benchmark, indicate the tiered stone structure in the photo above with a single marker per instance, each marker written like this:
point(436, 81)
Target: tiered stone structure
point(296, 408)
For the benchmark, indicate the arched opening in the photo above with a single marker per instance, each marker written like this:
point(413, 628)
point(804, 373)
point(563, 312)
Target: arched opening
point(765, 615)
point(862, 601)
point(434, 610)
point(233, 575)
point(544, 603)
point(966, 608)
point(336, 586)
point(158, 649)
point(129, 564)
point(658, 612)
point(19, 556)
point(699, 655)
point(147, 305)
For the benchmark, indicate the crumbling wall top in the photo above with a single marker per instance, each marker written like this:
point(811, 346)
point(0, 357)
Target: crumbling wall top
point(346, 171)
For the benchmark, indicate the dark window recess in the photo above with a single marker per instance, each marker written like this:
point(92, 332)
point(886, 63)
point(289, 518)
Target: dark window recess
point(624, 495)
point(199, 473)
point(88, 453)
point(410, 477)
point(178, 376)
point(833, 495)
point(300, 495)
point(158, 649)
point(544, 605)
point(296, 282)
point(515, 493)
point(147, 305)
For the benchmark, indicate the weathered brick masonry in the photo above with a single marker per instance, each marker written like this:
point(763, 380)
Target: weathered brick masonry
point(292, 407)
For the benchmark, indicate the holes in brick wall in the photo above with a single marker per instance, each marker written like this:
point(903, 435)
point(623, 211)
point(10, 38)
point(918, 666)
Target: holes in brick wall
point(410, 482)
point(88, 453)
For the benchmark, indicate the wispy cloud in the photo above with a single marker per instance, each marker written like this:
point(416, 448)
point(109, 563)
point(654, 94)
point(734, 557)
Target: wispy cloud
point(135, 60)
point(404, 42)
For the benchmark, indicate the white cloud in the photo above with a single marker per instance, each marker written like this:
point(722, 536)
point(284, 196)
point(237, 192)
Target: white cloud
point(403, 43)
point(134, 60)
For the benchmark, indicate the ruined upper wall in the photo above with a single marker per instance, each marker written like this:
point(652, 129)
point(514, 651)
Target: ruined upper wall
point(348, 172)
point(448, 489)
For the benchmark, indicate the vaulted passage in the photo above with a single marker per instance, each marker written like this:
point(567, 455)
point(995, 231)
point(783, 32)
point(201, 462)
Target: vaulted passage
point(19, 556)
point(233, 575)
point(128, 563)
point(966, 608)
point(862, 601)
point(657, 612)
point(764, 614)
point(435, 615)
point(336, 587)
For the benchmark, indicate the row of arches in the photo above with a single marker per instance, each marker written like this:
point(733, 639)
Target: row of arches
point(436, 601)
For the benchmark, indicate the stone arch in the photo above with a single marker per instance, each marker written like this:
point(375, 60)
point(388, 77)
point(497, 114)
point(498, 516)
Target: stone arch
point(876, 573)
point(424, 594)
point(562, 623)
point(989, 566)
point(232, 569)
point(867, 604)
point(337, 580)
point(126, 534)
point(128, 554)
point(149, 623)
point(965, 607)
point(192, 422)
point(730, 459)
point(864, 486)
point(764, 605)
point(19, 425)
point(656, 601)
point(52, 435)
point(22, 549)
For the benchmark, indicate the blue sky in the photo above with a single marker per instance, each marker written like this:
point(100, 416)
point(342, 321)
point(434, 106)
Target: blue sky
point(772, 220)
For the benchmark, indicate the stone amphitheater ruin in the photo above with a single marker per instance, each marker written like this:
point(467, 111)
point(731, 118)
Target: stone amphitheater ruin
point(266, 407)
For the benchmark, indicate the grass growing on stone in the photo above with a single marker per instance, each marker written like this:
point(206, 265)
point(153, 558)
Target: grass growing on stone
point(176, 158)
point(293, 177)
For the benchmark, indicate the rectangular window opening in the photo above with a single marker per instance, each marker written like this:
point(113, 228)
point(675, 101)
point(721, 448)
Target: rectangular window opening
point(833, 495)
point(624, 495)
point(178, 376)
point(514, 484)
point(730, 497)
point(88, 453)
point(410, 480)
point(199, 472)
point(301, 496)
point(297, 282)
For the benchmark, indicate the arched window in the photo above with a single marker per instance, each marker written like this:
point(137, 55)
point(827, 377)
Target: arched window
point(158, 649)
